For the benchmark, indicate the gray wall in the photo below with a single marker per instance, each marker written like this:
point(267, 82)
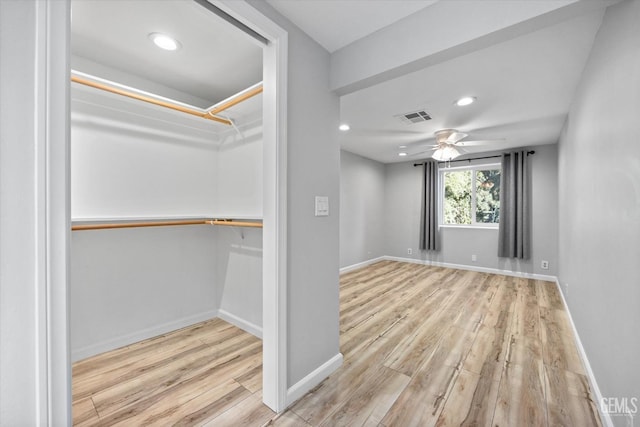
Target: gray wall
point(362, 201)
point(599, 200)
point(402, 223)
point(313, 170)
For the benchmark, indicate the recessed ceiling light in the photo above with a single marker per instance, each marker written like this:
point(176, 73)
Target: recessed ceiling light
point(402, 146)
point(164, 41)
point(465, 101)
point(344, 127)
point(402, 154)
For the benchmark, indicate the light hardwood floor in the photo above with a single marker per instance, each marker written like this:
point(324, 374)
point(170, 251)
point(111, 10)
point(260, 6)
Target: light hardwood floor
point(422, 346)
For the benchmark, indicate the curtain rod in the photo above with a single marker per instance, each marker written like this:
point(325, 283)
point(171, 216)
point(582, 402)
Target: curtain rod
point(475, 158)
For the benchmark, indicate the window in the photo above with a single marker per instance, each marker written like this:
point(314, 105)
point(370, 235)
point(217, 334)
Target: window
point(471, 196)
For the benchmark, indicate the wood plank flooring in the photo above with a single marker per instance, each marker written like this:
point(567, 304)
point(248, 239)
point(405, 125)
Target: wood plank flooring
point(209, 374)
point(429, 346)
point(422, 346)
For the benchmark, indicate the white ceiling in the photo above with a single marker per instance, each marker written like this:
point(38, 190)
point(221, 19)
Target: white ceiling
point(524, 85)
point(109, 39)
point(335, 24)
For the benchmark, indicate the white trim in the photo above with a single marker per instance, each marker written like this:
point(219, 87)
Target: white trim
point(473, 268)
point(143, 334)
point(359, 265)
point(314, 378)
point(53, 205)
point(246, 326)
point(274, 260)
point(477, 226)
point(604, 417)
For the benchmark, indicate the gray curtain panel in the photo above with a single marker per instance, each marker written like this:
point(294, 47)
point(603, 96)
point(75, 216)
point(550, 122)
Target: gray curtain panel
point(429, 214)
point(515, 228)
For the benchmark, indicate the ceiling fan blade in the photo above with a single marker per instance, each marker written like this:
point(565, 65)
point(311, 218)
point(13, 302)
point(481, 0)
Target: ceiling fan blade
point(479, 142)
point(455, 137)
point(422, 152)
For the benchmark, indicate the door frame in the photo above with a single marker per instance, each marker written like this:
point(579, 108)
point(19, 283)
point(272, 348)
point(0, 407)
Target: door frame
point(274, 235)
point(53, 58)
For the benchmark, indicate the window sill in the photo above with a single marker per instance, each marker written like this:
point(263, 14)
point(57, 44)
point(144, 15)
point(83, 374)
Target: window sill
point(474, 227)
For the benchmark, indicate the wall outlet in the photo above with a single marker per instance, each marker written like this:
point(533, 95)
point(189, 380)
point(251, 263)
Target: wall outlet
point(474, 258)
point(544, 265)
point(409, 251)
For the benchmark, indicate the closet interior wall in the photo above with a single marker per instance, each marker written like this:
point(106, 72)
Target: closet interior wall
point(135, 161)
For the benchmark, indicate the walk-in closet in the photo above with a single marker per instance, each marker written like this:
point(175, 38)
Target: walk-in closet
point(167, 206)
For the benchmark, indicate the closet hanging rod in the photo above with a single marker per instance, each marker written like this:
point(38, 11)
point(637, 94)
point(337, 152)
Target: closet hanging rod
point(236, 99)
point(111, 225)
point(210, 113)
point(150, 100)
point(231, 223)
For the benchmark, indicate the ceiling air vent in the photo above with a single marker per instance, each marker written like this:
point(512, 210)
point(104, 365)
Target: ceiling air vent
point(415, 117)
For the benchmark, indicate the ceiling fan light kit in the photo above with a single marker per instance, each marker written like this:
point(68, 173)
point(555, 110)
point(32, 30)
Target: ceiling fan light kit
point(445, 153)
point(451, 143)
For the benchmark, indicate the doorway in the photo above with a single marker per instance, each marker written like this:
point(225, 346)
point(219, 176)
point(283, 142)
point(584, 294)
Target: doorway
point(274, 237)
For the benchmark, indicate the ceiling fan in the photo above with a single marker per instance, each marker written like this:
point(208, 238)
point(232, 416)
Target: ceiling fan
point(448, 144)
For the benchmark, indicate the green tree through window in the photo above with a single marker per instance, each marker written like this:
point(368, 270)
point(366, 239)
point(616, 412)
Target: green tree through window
point(467, 204)
point(457, 197)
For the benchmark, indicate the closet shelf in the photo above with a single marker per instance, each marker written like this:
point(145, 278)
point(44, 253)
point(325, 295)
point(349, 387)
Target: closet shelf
point(137, 224)
point(210, 113)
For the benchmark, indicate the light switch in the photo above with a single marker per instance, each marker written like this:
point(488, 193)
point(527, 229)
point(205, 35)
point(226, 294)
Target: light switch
point(322, 206)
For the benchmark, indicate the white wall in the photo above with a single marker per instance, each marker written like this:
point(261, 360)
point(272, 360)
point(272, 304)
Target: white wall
point(362, 201)
point(239, 277)
point(599, 200)
point(239, 250)
point(313, 167)
point(239, 172)
point(402, 221)
point(134, 160)
point(132, 284)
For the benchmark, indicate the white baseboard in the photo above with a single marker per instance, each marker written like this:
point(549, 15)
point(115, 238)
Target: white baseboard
point(306, 384)
point(605, 417)
point(121, 341)
point(249, 327)
point(360, 264)
point(472, 268)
